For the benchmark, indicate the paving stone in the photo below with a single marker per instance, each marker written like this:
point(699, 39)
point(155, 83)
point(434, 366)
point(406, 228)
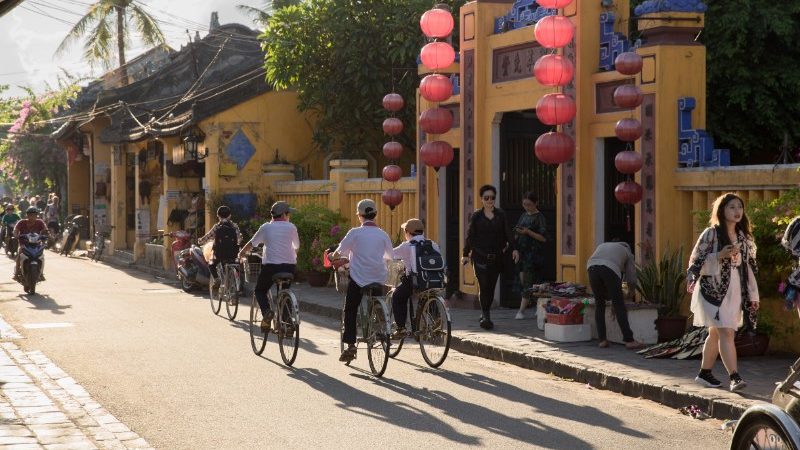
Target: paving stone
point(77, 439)
point(116, 427)
point(136, 443)
point(112, 445)
point(7, 440)
point(14, 430)
point(33, 411)
point(126, 436)
point(22, 447)
point(73, 446)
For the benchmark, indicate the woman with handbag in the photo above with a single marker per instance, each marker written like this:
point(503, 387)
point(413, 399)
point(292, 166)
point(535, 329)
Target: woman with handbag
point(721, 279)
point(488, 237)
point(530, 234)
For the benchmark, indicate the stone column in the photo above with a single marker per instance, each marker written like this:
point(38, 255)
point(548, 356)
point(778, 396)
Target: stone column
point(341, 171)
point(116, 212)
point(143, 220)
point(274, 173)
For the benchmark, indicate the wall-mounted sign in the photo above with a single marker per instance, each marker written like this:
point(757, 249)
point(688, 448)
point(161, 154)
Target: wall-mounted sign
point(515, 62)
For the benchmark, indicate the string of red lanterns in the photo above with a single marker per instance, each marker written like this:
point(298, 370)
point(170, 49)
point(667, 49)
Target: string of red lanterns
point(392, 150)
point(628, 96)
point(554, 70)
point(436, 24)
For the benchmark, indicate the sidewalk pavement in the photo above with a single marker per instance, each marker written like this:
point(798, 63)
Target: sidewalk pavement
point(519, 342)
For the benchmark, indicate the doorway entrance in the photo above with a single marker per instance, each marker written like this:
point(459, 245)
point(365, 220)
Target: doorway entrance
point(452, 247)
point(619, 220)
point(520, 172)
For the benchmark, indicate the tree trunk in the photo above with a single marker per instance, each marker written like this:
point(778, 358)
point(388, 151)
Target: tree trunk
point(123, 71)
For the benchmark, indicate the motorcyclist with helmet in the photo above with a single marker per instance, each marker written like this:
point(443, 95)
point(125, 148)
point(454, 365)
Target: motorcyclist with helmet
point(9, 218)
point(30, 224)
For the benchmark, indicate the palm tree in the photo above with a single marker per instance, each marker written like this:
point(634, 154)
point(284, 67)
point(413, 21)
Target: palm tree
point(100, 32)
point(261, 15)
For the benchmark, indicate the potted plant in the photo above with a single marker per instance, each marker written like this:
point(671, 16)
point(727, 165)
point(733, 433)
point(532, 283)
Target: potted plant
point(662, 283)
point(318, 228)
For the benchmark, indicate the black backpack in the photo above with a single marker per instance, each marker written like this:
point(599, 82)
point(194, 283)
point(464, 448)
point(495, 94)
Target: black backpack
point(430, 266)
point(791, 238)
point(226, 243)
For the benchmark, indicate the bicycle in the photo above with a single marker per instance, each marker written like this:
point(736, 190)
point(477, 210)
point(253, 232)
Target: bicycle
point(228, 291)
point(372, 323)
point(286, 323)
point(99, 242)
point(430, 326)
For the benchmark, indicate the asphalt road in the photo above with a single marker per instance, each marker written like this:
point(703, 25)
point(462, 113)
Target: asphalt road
point(182, 378)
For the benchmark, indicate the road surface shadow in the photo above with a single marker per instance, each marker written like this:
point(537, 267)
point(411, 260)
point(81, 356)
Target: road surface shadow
point(44, 302)
point(398, 414)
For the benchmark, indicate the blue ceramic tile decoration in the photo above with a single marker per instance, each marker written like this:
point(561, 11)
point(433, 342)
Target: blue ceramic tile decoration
point(239, 149)
point(242, 205)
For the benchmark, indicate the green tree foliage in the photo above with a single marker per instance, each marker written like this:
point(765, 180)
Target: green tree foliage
point(106, 28)
point(753, 90)
point(30, 161)
point(342, 57)
point(261, 15)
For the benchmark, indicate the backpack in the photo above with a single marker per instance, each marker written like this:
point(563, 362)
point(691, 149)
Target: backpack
point(791, 238)
point(430, 266)
point(226, 244)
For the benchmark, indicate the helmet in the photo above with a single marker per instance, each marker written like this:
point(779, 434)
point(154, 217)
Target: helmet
point(32, 210)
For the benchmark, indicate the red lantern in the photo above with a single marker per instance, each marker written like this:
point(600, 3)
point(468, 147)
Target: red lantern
point(555, 109)
point(436, 88)
point(553, 70)
point(628, 130)
point(628, 162)
point(392, 197)
point(437, 55)
point(393, 102)
point(628, 63)
point(628, 192)
point(554, 148)
point(436, 121)
point(553, 4)
point(436, 154)
point(392, 150)
point(392, 173)
point(436, 23)
point(628, 96)
point(392, 126)
point(554, 31)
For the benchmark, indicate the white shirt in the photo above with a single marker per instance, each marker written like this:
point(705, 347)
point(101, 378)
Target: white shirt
point(407, 253)
point(367, 247)
point(280, 240)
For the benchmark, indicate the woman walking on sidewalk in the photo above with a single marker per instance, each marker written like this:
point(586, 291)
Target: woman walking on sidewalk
point(721, 279)
point(531, 233)
point(488, 237)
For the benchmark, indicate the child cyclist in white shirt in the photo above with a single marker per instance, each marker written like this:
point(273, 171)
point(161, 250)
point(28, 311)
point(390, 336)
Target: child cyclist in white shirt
point(281, 242)
point(368, 248)
point(413, 229)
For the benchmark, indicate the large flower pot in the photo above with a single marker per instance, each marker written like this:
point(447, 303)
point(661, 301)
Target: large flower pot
point(318, 279)
point(747, 345)
point(670, 328)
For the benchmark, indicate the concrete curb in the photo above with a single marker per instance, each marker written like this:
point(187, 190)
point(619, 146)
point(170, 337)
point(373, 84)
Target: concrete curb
point(719, 408)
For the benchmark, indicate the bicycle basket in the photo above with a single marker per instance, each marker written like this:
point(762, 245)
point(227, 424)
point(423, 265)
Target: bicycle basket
point(396, 270)
point(342, 279)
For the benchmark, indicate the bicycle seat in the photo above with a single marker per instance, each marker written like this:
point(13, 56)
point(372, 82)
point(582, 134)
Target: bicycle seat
point(374, 289)
point(283, 276)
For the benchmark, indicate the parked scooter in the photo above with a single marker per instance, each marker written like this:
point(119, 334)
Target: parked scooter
point(31, 256)
point(9, 241)
point(191, 266)
point(72, 234)
point(775, 425)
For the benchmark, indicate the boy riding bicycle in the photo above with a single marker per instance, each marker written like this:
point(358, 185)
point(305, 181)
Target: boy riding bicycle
point(227, 239)
point(281, 243)
point(367, 247)
point(413, 229)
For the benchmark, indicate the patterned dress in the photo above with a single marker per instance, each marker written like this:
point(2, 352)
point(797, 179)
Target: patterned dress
point(531, 256)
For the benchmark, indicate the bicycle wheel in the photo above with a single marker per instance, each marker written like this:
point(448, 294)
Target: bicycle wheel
point(288, 327)
point(377, 336)
point(231, 291)
point(215, 295)
point(397, 345)
point(762, 432)
point(258, 339)
point(434, 331)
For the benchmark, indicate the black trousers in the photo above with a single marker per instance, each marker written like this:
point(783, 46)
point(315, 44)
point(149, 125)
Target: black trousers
point(400, 298)
point(487, 280)
point(264, 282)
point(607, 285)
point(351, 302)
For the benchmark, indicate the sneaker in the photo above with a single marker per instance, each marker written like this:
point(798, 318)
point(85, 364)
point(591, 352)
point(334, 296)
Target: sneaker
point(399, 333)
point(233, 301)
point(519, 316)
point(737, 383)
point(486, 324)
point(708, 380)
point(348, 354)
point(266, 324)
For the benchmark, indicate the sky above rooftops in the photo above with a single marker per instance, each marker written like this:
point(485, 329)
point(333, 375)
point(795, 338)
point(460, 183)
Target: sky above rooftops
point(30, 34)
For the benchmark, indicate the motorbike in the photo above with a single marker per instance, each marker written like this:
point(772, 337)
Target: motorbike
point(775, 425)
point(31, 256)
point(55, 230)
point(191, 265)
point(71, 236)
point(96, 247)
point(9, 241)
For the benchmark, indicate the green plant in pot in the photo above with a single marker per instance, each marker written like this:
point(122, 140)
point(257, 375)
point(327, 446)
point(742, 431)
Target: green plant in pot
point(662, 282)
point(318, 228)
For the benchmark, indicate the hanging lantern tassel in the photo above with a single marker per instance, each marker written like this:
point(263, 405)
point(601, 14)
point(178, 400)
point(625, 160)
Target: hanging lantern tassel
point(628, 219)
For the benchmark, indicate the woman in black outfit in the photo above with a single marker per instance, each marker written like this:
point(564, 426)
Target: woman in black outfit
point(488, 237)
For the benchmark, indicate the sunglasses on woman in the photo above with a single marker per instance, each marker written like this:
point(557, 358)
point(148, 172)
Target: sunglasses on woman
point(487, 198)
